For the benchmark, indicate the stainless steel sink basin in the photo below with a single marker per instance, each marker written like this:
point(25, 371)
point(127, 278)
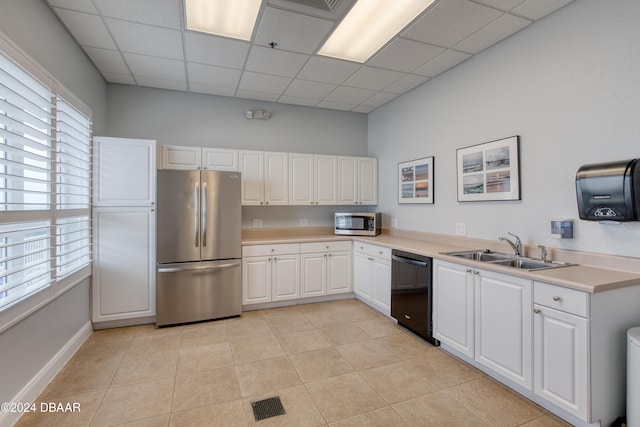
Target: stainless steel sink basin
point(499, 258)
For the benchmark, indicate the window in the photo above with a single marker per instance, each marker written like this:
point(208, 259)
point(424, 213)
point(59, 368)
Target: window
point(45, 191)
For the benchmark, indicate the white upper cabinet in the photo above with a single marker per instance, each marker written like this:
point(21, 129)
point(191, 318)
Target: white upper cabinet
point(135, 184)
point(357, 180)
point(196, 158)
point(264, 178)
point(312, 179)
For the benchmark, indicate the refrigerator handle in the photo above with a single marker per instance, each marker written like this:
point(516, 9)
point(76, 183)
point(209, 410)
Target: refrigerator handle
point(200, 268)
point(204, 214)
point(196, 210)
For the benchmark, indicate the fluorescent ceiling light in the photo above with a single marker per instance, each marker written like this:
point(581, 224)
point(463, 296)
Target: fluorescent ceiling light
point(228, 18)
point(369, 25)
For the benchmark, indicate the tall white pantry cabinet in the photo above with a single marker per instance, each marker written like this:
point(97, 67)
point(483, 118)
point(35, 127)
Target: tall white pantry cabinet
point(124, 222)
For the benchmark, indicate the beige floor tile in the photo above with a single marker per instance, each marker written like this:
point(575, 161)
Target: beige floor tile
point(319, 364)
point(444, 369)
point(299, 342)
point(148, 343)
point(343, 333)
point(291, 310)
point(367, 354)
point(257, 347)
point(245, 327)
point(344, 397)
point(217, 325)
point(265, 375)
point(204, 388)
point(298, 405)
point(436, 410)
point(204, 358)
point(383, 417)
point(204, 336)
point(494, 403)
point(407, 346)
point(378, 328)
point(87, 403)
point(400, 381)
point(548, 420)
point(159, 421)
point(151, 330)
point(290, 322)
point(228, 414)
point(139, 367)
point(134, 402)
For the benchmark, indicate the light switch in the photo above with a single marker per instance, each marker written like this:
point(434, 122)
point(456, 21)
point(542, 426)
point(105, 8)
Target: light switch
point(257, 223)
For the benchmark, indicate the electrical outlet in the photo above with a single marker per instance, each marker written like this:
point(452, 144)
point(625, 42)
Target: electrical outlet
point(461, 229)
point(257, 223)
point(304, 222)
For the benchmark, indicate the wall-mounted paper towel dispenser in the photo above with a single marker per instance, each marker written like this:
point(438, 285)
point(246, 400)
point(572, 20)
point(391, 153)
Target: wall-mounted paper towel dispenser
point(609, 191)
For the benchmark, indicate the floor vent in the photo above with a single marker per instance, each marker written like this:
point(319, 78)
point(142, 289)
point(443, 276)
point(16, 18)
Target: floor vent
point(267, 408)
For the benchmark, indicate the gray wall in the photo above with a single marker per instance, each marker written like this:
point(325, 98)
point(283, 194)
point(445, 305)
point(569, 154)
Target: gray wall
point(178, 118)
point(568, 85)
point(26, 347)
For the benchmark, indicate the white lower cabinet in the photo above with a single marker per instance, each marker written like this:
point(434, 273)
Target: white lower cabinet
point(372, 275)
point(270, 273)
point(326, 268)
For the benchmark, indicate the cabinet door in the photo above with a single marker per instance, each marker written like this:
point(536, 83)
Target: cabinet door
point(219, 159)
point(285, 277)
point(276, 179)
point(503, 325)
point(177, 157)
point(368, 181)
point(560, 360)
point(256, 279)
point(362, 275)
point(381, 288)
point(124, 172)
point(301, 179)
point(339, 275)
point(251, 167)
point(326, 185)
point(348, 180)
point(124, 263)
point(314, 274)
point(453, 306)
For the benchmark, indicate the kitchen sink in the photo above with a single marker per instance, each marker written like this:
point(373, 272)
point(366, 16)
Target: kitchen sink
point(509, 260)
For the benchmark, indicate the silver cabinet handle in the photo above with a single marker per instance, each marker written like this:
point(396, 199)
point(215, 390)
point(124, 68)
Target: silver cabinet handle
point(196, 213)
point(557, 298)
point(370, 259)
point(477, 273)
point(469, 270)
point(537, 311)
point(204, 214)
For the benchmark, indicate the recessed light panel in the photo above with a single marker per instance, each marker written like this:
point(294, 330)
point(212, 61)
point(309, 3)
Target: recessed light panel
point(228, 18)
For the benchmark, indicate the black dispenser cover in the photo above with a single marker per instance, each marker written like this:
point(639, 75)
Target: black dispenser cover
point(609, 191)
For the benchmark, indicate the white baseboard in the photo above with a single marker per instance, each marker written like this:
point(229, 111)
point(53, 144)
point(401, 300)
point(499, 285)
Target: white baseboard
point(39, 382)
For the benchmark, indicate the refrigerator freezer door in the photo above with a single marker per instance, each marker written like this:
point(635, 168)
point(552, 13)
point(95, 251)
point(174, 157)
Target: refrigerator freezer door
point(178, 220)
point(221, 215)
point(189, 292)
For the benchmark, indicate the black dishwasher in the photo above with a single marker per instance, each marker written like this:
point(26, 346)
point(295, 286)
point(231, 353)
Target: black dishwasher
point(412, 293)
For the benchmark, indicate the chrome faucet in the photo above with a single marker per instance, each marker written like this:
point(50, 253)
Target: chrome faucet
point(516, 246)
point(543, 253)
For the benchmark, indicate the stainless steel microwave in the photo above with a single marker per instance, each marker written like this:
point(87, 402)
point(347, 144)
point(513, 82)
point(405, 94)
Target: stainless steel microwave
point(357, 223)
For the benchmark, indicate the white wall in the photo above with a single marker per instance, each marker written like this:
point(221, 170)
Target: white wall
point(568, 85)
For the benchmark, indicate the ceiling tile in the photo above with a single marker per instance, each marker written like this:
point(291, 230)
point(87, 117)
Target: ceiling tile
point(349, 95)
point(441, 63)
point(405, 84)
point(155, 68)
point(536, 9)
point(379, 99)
point(145, 39)
point(336, 105)
point(214, 50)
point(263, 83)
point(450, 21)
point(164, 13)
point(211, 90)
point(274, 61)
point(260, 96)
point(309, 89)
point(78, 5)
point(405, 55)
point(372, 78)
point(107, 61)
point(291, 31)
point(161, 83)
point(88, 30)
point(491, 34)
point(504, 5)
point(307, 102)
point(363, 109)
point(328, 70)
point(125, 79)
point(213, 76)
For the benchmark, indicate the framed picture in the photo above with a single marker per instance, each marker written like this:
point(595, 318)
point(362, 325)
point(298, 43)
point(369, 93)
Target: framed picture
point(489, 171)
point(415, 181)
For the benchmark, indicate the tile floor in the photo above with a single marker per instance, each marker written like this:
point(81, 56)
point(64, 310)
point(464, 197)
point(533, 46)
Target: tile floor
point(338, 363)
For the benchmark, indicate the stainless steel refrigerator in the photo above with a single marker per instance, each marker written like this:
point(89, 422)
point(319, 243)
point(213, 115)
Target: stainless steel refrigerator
point(198, 270)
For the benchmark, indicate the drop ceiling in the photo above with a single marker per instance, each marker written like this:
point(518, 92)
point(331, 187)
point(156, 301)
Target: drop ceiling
point(145, 43)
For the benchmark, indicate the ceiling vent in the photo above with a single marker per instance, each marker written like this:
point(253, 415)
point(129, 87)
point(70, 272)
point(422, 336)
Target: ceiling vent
point(318, 4)
point(328, 9)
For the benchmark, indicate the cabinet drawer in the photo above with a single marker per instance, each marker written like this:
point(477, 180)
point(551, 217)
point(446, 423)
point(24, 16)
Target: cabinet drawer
point(372, 250)
point(264, 250)
point(561, 298)
point(307, 248)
